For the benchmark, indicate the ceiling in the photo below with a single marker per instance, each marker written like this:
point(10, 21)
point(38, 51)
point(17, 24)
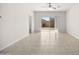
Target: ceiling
point(44, 7)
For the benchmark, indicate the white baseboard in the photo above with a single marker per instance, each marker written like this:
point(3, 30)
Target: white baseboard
point(13, 42)
point(77, 37)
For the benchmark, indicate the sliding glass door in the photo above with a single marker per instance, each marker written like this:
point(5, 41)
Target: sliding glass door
point(48, 22)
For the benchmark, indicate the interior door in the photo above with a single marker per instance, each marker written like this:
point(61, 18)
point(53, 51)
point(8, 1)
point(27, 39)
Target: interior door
point(30, 25)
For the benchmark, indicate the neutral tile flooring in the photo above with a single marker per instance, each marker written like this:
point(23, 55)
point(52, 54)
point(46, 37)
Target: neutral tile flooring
point(46, 42)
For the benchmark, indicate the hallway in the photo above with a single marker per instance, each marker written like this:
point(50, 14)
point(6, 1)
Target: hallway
point(47, 42)
point(18, 20)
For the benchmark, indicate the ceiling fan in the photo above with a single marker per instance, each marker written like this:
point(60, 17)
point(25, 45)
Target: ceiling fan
point(52, 5)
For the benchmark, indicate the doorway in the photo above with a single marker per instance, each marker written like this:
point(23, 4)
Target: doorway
point(48, 22)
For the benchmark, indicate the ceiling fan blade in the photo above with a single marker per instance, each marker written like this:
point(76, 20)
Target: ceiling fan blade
point(54, 8)
point(44, 6)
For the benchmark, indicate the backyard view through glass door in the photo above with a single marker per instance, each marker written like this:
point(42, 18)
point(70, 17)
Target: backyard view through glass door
point(48, 22)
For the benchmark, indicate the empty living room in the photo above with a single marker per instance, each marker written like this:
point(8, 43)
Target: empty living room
point(39, 28)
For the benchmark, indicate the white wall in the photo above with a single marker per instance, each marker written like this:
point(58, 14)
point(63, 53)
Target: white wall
point(73, 21)
point(14, 24)
point(60, 15)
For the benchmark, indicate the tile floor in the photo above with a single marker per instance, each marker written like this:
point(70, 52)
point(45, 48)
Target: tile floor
point(47, 42)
